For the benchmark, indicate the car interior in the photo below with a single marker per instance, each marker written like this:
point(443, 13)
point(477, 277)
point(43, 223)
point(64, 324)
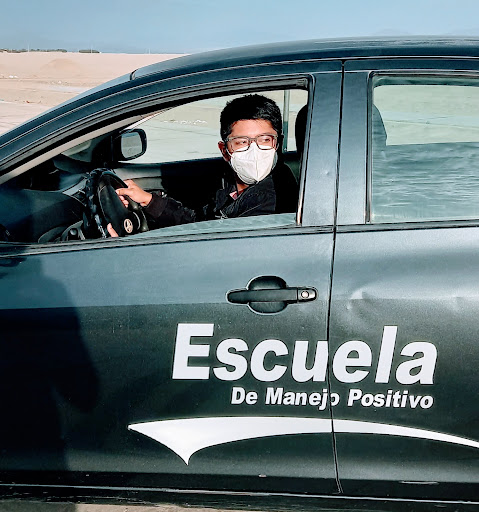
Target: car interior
point(71, 195)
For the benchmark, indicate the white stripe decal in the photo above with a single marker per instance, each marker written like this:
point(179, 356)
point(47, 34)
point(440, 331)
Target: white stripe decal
point(367, 427)
point(186, 437)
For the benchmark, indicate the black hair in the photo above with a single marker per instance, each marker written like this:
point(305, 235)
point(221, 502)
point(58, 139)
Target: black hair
point(251, 106)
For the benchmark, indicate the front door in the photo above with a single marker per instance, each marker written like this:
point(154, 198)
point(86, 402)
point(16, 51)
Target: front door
point(187, 357)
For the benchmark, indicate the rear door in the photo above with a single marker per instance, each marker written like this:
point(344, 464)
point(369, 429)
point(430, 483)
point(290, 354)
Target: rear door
point(153, 373)
point(404, 298)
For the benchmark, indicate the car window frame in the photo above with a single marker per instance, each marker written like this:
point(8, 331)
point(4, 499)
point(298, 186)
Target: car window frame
point(252, 84)
point(355, 164)
point(125, 99)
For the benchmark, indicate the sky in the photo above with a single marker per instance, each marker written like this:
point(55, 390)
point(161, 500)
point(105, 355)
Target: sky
point(190, 26)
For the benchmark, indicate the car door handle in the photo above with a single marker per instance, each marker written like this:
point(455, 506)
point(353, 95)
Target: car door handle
point(270, 294)
point(288, 295)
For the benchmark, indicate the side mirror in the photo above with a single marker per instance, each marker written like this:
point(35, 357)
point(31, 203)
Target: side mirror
point(129, 145)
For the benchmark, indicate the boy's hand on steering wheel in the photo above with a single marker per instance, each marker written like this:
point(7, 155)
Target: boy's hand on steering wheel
point(134, 192)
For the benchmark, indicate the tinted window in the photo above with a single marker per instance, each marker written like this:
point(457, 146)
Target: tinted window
point(424, 149)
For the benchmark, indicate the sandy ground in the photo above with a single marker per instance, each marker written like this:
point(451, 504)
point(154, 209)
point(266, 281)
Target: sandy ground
point(31, 83)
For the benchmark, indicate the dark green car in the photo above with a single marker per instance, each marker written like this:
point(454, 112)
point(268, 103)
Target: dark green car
point(330, 351)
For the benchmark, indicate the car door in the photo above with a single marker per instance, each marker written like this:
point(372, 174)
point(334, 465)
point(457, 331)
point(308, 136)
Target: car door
point(154, 360)
point(404, 297)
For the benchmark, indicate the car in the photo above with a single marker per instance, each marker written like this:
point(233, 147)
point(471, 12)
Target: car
point(326, 351)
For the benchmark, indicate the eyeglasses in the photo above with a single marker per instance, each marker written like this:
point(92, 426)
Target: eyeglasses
point(264, 141)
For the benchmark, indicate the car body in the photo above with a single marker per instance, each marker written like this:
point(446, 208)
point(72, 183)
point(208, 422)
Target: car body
point(130, 364)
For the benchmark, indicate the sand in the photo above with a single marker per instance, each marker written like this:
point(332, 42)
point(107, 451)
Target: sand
point(31, 83)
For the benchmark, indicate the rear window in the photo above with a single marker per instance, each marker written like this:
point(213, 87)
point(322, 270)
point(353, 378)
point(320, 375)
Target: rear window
point(424, 149)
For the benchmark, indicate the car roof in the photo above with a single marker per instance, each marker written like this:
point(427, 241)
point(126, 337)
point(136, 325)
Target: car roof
point(300, 51)
point(320, 49)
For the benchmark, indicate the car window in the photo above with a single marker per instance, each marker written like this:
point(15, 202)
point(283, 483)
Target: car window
point(424, 141)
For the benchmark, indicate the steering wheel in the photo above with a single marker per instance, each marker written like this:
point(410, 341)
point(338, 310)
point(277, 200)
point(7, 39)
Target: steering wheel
point(104, 206)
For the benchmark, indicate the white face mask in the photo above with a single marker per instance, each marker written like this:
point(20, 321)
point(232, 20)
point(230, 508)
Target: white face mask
point(254, 164)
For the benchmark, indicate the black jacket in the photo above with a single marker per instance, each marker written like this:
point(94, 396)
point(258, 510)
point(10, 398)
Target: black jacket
point(258, 199)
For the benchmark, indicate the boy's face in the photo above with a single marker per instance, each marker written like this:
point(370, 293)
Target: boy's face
point(249, 128)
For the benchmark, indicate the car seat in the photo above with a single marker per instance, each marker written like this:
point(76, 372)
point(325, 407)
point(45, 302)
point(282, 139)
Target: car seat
point(285, 183)
point(300, 129)
point(286, 188)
